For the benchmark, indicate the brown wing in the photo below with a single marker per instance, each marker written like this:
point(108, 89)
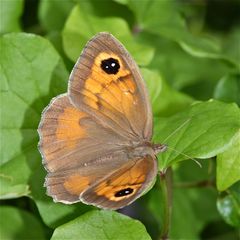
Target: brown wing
point(123, 186)
point(75, 149)
point(106, 83)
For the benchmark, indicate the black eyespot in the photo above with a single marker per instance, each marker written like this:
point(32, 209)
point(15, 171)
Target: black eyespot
point(110, 66)
point(123, 192)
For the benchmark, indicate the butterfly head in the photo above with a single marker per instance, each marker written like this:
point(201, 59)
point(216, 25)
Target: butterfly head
point(157, 148)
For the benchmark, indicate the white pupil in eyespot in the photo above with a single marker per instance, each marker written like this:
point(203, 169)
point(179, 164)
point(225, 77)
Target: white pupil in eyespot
point(113, 64)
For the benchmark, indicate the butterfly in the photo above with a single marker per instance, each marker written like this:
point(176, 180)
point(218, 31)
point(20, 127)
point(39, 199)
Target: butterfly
point(95, 140)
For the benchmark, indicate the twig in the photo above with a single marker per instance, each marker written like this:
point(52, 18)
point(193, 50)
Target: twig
point(166, 189)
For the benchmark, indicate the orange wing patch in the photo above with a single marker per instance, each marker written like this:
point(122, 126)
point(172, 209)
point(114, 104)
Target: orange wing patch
point(127, 84)
point(69, 128)
point(76, 184)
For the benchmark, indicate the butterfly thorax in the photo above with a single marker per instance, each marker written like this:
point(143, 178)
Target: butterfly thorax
point(146, 148)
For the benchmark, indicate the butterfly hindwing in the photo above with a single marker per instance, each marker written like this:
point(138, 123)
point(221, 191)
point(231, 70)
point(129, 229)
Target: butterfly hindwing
point(123, 186)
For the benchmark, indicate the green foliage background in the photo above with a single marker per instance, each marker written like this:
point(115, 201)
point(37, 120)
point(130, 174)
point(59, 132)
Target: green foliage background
point(189, 54)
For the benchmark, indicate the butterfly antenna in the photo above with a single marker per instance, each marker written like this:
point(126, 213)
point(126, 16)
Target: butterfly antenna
point(181, 153)
point(185, 155)
point(176, 130)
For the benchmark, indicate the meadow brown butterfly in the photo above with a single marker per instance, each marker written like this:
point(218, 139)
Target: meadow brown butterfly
point(95, 140)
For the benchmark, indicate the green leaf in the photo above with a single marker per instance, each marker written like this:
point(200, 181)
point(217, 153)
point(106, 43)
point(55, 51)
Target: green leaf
point(154, 85)
point(194, 76)
point(195, 190)
point(165, 100)
point(164, 19)
point(19, 224)
point(106, 8)
point(202, 131)
point(122, 1)
point(228, 89)
point(229, 206)
point(231, 46)
point(192, 204)
point(29, 67)
point(102, 225)
point(9, 190)
point(10, 13)
point(53, 13)
point(228, 165)
point(81, 26)
point(52, 16)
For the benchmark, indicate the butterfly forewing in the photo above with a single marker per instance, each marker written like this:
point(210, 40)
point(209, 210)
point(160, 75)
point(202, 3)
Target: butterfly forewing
point(107, 84)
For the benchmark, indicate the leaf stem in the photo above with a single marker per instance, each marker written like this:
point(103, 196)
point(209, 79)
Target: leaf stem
point(166, 189)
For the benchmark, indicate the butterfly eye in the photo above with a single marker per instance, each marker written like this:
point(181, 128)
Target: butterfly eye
point(110, 66)
point(123, 192)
